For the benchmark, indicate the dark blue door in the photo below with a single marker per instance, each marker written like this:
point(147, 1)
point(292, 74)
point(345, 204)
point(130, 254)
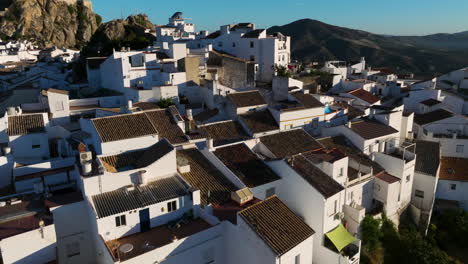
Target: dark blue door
point(145, 220)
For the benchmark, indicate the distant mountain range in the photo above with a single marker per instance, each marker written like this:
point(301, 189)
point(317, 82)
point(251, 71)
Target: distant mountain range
point(313, 40)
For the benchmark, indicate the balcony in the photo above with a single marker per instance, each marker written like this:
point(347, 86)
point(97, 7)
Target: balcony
point(402, 154)
point(341, 242)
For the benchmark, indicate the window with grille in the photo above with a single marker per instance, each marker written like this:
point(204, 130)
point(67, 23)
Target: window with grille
point(120, 220)
point(171, 206)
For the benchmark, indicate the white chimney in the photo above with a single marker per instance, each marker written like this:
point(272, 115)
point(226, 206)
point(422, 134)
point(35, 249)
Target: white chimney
point(189, 114)
point(11, 111)
point(210, 144)
point(86, 162)
point(143, 177)
point(129, 104)
point(6, 150)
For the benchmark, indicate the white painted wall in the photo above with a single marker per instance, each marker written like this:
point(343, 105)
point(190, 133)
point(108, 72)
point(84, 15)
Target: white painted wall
point(29, 247)
point(460, 194)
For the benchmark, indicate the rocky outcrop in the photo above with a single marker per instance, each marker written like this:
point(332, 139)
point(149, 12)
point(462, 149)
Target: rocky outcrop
point(130, 32)
point(49, 23)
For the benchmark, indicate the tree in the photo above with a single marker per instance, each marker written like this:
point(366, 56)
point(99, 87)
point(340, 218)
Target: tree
point(371, 233)
point(165, 102)
point(282, 71)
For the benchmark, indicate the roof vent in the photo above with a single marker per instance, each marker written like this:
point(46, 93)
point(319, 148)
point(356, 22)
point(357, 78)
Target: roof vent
point(242, 196)
point(143, 177)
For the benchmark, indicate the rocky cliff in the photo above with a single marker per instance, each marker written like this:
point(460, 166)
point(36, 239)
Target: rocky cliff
point(116, 34)
point(49, 22)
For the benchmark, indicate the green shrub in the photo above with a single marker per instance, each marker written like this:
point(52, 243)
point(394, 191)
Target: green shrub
point(371, 233)
point(165, 102)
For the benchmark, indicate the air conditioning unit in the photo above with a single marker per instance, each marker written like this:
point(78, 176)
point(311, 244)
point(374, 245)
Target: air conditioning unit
point(85, 157)
point(242, 196)
point(339, 216)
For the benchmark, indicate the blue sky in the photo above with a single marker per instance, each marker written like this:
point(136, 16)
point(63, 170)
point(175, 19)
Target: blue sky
point(396, 17)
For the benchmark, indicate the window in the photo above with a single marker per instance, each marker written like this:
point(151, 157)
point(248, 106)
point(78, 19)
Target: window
point(453, 187)
point(341, 172)
point(419, 194)
point(270, 192)
point(315, 123)
point(297, 259)
point(289, 126)
point(120, 220)
point(171, 206)
point(377, 187)
point(252, 44)
point(351, 196)
point(460, 148)
point(408, 178)
point(73, 249)
point(252, 58)
point(233, 44)
point(335, 207)
point(36, 146)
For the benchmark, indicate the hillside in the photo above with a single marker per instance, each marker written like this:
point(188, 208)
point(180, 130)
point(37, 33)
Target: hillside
point(313, 40)
point(49, 22)
point(456, 41)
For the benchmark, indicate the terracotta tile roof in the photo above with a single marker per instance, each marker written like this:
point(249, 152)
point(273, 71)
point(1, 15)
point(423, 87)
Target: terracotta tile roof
point(436, 115)
point(369, 129)
point(51, 90)
point(430, 102)
point(246, 165)
point(224, 133)
point(166, 126)
point(327, 155)
point(206, 115)
point(365, 96)
point(340, 142)
point(146, 105)
point(276, 225)
point(453, 169)
point(386, 177)
point(260, 121)
point(25, 124)
point(428, 157)
point(120, 127)
point(323, 183)
point(307, 100)
point(246, 99)
point(289, 143)
point(122, 200)
point(137, 159)
point(214, 187)
point(253, 34)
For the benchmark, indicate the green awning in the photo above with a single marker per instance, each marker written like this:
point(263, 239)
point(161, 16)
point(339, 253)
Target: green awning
point(340, 237)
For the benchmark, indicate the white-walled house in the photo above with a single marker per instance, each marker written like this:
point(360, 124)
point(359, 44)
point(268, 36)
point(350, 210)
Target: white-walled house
point(177, 29)
point(27, 136)
point(241, 165)
point(272, 233)
point(245, 41)
point(320, 200)
point(426, 177)
point(362, 98)
point(452, 184)
point(442, 126)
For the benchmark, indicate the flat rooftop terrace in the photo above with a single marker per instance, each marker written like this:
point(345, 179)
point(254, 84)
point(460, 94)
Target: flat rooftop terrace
point(157, 237)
